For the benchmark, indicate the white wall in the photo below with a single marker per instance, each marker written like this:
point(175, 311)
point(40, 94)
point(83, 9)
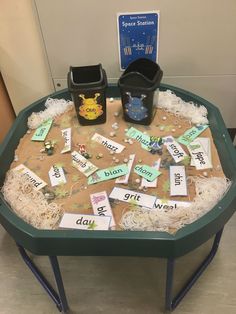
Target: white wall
point(22, 57)
point(197, 42)
point(197, 45)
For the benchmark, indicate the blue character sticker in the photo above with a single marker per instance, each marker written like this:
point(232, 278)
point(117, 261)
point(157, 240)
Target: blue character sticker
point(135, 108)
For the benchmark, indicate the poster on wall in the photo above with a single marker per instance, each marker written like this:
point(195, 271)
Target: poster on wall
point(138, 36)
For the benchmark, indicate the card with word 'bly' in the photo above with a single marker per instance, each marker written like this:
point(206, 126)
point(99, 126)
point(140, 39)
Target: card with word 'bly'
point(101, 205)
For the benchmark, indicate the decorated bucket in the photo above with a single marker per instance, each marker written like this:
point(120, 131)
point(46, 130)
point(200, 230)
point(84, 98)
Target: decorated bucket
point(139, 86)
point(87, 85)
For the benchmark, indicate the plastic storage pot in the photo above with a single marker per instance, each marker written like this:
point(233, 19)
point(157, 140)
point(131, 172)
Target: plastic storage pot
point(137, 86)
point(87, 85)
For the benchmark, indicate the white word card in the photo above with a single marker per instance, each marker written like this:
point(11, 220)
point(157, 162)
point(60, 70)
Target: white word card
point(133, 197)
point(174, 149)
point(206, 144)
point(109, 144)
point(178, 184)
point(101, 206)
point(199, 156)
point(33, 178)
point(82, 164)
point(56, 175)
point(85, 222)
point(125, 179)
point(66, 134)
point(169, 204)
point(152, 184)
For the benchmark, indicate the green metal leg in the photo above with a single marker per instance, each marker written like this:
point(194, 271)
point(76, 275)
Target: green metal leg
point(171, 303)
point(58, 298)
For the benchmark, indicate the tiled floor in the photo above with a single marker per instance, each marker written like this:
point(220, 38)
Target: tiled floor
point(113, 285)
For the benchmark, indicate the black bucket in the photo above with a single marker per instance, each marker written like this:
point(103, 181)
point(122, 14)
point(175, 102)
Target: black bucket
point(87, 85)
point(137, 86)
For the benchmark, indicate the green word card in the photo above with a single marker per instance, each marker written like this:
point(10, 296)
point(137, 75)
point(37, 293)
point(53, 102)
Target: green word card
point(191, 134)
point(108, 174)
point(42, 131)
point(147, 172)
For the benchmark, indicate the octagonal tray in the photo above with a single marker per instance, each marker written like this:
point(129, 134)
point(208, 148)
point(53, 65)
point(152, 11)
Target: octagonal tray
point(121, 243)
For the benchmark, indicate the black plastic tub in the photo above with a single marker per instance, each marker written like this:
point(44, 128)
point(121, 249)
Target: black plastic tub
point(138, 85)
point(87, 85)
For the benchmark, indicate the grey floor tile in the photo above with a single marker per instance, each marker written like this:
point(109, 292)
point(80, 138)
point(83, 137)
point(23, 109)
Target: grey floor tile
point(114, 285)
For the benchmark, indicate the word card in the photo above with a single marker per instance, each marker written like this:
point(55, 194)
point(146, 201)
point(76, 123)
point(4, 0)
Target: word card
point(125, 179)
point(33, 178)
point(56, 175)
point(82, 164)
point(147, 172)
point(178, 184)
point(174, 149)
point(133, 197)
point(109, 144)
point(152, 184)
point(85, 222)
point(108, 174)
point(206, 144)
point(66, 134)
point(139, 136)
point(101, 206)
point(199, 156)
point(169, 204)
point(42, 131)
point(191, 134)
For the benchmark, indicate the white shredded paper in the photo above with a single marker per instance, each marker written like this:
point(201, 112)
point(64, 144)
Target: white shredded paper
point(174, 104)
point(54, 107)
point(209, 192)
point(29, 204)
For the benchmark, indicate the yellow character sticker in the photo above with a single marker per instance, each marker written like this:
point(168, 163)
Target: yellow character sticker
point(90, 109)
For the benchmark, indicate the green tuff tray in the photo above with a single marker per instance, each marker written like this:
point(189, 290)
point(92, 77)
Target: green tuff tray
point(121, 243)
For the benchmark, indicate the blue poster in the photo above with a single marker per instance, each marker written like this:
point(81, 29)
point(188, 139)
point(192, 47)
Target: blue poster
point(138, 37)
